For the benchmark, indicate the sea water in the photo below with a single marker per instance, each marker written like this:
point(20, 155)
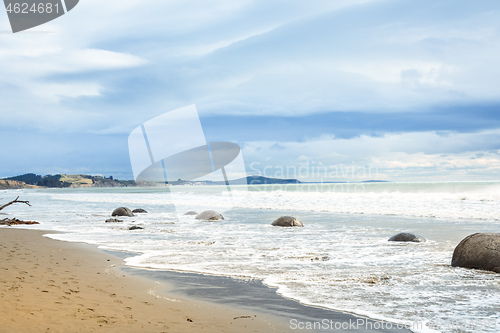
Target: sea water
point(340, 260)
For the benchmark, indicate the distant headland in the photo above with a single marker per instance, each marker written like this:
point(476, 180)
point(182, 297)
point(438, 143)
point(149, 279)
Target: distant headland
point(31, 180)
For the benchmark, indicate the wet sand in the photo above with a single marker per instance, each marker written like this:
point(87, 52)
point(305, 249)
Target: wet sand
point(253, 295)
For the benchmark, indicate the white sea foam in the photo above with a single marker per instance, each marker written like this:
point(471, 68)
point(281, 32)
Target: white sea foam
point(340, 260)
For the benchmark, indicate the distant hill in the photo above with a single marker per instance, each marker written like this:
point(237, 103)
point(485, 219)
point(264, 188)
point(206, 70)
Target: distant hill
point(259, 180)
point(31, 180)
point(250, 180)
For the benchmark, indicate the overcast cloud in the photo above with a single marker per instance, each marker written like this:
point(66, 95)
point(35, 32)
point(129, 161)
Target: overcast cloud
point(407, 87)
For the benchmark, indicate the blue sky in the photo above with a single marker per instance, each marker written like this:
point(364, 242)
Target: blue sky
point(391, 89)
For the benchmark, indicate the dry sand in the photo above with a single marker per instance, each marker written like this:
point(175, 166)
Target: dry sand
point(53, 286)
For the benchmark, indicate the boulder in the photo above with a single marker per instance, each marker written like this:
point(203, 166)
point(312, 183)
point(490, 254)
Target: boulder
point(287, 221)
point(209, 215)
point(122, 211)
point(479, 251)
point(406, 237)
point(139, 210)
point(113, 220)
point(191, 212)
point(134, 227)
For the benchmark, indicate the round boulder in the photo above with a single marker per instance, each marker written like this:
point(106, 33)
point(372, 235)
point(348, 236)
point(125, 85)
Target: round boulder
point(406, 237)
point(139, 210)
point(287, 221)
point(479, 251)
point(191, 212)
point(122, 211)
point(209, 215)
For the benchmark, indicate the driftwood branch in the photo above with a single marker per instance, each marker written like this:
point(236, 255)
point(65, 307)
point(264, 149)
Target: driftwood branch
point(15, 201)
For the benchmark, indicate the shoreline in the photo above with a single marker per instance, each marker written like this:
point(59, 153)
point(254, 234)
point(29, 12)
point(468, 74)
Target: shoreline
point(199, 302)
point(254, 295)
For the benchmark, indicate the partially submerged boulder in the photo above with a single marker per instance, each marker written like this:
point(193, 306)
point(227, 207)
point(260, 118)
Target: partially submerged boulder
point(479, 251)
point(406, 237)
point(134, 227)
point(122, 211)
point(287, 221)
point(14, 221)
point(139, 210)
point(191, 212)
point(209, 215)
point(113, 221)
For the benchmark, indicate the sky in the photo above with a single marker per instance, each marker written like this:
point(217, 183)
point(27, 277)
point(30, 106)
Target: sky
point(333, 90)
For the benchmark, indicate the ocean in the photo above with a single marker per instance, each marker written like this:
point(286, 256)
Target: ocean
point(340, 260)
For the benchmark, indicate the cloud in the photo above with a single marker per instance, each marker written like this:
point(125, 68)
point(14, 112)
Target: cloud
point(174, 43)
point(382, 64)
point(406, 156)
point(56, 91)
point(386, 82)
point(269, 58)
point(40, 72)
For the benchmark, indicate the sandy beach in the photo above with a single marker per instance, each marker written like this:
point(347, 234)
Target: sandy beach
point(53, 286)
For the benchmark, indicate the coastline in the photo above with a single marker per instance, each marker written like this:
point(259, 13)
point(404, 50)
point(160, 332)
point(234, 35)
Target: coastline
point(51, 285)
